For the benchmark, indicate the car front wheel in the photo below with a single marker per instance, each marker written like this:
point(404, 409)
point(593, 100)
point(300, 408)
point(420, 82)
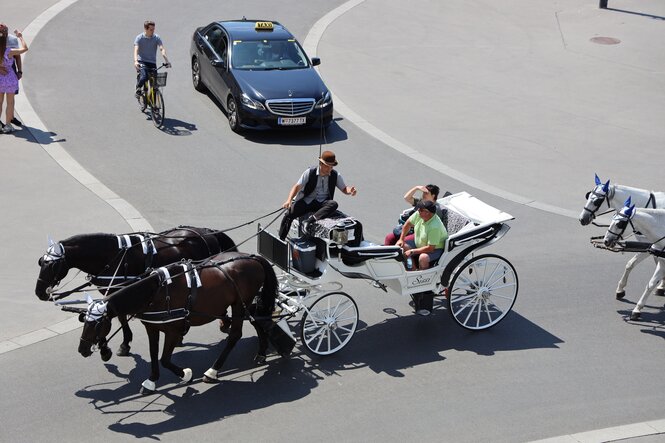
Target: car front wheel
point(232, 113)
point(196, 75)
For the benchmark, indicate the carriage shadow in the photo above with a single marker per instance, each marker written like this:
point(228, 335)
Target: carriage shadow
point(249, 386)
point(402, 342)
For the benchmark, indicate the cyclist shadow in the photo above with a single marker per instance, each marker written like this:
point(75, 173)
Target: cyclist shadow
point(173, 126)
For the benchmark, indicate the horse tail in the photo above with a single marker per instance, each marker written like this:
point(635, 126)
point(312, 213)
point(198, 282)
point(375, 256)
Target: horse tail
point(225, 242)
point(269, 291)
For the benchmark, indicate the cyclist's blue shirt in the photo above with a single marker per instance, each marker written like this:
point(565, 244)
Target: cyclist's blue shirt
point(147, 47)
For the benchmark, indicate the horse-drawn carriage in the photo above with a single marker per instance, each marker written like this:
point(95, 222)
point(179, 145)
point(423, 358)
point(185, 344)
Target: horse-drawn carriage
point(169, 298)
point(480, 289)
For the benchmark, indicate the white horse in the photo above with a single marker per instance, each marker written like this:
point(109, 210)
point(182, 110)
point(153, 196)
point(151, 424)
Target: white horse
point(651, 223)
point(605, 195)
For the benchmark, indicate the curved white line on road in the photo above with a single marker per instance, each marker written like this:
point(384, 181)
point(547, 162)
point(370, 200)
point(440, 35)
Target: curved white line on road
point(31, 120)
point(131, 215)
point(311, 44)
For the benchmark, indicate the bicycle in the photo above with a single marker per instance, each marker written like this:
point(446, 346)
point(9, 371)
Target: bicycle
point(151, 96)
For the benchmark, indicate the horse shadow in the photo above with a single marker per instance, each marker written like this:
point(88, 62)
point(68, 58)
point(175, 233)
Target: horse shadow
point(251, 387)
point(403, 342)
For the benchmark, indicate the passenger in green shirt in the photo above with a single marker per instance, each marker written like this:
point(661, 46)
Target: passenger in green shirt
point(430, 235)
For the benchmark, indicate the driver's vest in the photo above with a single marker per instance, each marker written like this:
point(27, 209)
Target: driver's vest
point(312, 179)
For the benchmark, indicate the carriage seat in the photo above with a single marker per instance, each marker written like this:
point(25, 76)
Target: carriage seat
point(354, 255)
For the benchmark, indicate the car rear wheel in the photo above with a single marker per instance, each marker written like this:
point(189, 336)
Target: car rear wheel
point(232, 113)
point(196, 75)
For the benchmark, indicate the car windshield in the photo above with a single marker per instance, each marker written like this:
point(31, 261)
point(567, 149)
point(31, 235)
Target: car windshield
point(268, 55)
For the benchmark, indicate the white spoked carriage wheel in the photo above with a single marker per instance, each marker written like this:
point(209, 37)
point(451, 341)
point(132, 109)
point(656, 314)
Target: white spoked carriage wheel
point(329, 324)
point(482, 292)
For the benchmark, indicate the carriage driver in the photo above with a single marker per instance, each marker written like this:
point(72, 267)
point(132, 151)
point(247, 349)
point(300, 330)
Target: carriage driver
point(429, 235)
point(314, 192)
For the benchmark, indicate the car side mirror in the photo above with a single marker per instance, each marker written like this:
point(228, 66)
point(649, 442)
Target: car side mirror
point(218, 63)
point(316, 61)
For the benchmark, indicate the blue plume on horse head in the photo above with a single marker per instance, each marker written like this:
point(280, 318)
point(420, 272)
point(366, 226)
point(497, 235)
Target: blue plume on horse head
point(606, 186)
point(628, 202)
point(597, 179)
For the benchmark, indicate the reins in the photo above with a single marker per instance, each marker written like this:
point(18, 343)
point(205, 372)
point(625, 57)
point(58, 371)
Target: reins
point(55, 296)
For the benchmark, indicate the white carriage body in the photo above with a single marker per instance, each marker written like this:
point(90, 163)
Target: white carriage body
point(384, 264)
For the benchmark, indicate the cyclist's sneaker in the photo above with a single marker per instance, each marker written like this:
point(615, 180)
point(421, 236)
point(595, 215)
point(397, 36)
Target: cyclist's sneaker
point(8, 129)
point(17, 122)
point(138, 92)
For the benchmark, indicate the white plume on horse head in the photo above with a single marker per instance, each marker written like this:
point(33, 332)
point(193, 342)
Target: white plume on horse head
point(96, 309)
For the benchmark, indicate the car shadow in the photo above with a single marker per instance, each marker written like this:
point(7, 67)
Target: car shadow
point(290, 136)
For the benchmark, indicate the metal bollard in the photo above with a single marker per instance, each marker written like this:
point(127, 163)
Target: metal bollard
point(603, 4)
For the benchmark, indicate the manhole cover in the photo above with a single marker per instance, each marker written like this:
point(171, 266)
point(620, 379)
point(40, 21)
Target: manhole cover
point(605, 40)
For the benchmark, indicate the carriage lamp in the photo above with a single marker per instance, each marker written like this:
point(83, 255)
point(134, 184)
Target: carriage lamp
point(339, 237)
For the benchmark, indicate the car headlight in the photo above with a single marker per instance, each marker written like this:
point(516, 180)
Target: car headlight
point(325, 101)
point(252, 104)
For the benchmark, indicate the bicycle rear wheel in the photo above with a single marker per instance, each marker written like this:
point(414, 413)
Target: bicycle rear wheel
point(157, 109)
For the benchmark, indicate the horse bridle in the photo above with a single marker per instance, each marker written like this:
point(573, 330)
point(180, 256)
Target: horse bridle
point(97, 317)
point(599, 196)
point(622, 223)
point(56, 259)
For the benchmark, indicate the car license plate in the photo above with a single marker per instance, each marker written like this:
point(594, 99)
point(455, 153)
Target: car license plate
point(291, 121)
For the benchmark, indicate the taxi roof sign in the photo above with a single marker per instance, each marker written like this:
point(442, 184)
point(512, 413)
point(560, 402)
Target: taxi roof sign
point(263, 26)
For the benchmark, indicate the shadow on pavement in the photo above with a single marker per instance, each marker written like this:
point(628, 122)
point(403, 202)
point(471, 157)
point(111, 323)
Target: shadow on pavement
point(34, 135)
point(402, 342)
point(655, 17)
point(290, 136)
point(245, 388)
point(172, 126)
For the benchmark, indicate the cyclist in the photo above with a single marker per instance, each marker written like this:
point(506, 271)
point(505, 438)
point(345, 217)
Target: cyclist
point(145, 54)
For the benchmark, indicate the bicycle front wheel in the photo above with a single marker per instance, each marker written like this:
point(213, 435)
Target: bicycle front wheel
point(157, 109)
point(142, 102)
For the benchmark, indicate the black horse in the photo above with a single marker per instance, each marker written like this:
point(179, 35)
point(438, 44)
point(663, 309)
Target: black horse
point(175, 297)
point(112, 260)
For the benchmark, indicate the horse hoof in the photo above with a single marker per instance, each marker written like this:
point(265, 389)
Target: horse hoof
point(635, 315)
point(224, 327)
point(106, 354)
point(123, 351)
point(207, 379)
point(660, 292)
point(620, 295)
point(260, 359)
point(148, 387)
point(210, 376)
point(187, 377)
point(179, 343)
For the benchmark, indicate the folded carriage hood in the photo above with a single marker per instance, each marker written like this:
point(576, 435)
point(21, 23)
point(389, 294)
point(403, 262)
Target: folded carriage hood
point(303, 83)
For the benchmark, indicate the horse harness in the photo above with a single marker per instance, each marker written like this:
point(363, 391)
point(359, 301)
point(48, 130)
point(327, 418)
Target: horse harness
point(193, 279)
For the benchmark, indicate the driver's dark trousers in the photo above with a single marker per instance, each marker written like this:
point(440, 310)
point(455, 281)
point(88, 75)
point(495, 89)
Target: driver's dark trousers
point(300, 208)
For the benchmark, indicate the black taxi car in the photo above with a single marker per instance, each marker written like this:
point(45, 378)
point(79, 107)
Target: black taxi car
point(260, 74)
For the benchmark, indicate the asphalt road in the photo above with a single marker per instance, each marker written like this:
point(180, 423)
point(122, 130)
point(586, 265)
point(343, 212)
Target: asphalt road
point(564, 361)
